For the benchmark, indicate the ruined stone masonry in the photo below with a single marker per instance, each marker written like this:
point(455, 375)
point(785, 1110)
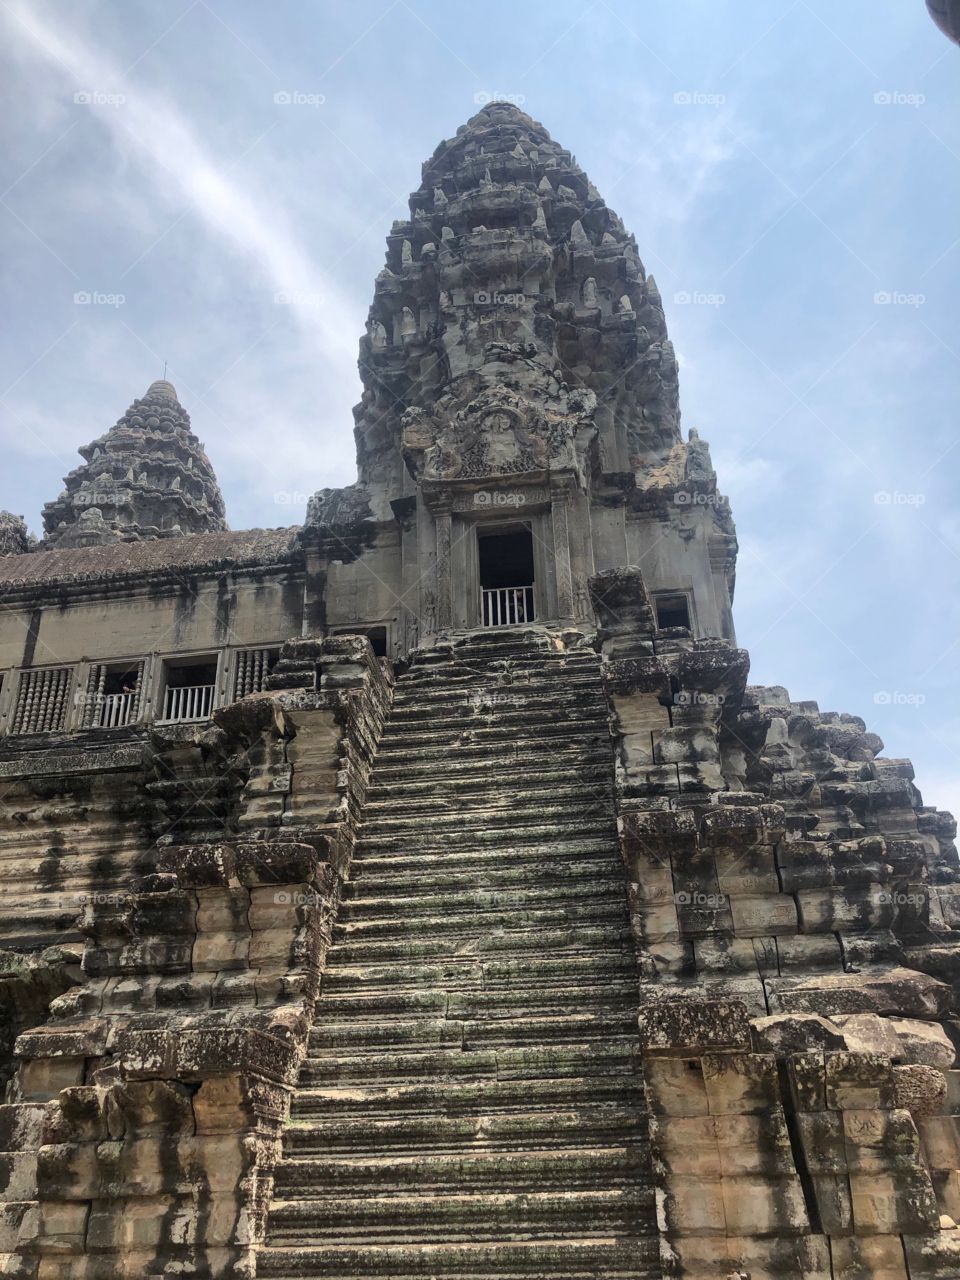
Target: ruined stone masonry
point(425, 891)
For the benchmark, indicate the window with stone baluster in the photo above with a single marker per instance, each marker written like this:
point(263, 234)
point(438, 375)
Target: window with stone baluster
point(43, 700)
point(251, 668)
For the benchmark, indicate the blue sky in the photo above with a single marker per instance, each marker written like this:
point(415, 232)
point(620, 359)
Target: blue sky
point(791, 172)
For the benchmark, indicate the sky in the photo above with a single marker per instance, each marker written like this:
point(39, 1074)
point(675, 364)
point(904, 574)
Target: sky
point(210, 185)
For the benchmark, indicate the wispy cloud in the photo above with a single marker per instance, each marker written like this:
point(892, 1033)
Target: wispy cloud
point(151, 132)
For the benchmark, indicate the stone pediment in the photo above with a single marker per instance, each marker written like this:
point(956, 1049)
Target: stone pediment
point(500, 433)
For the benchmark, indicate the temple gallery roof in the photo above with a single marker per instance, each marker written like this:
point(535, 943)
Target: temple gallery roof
point(204, 552)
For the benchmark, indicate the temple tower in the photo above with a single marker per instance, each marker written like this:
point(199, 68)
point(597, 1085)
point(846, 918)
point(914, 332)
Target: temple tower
point(148, 477)
point(519, 426)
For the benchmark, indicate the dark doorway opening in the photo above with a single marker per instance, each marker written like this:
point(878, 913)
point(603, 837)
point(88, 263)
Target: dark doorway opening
point(673, 611)
point(506, 576)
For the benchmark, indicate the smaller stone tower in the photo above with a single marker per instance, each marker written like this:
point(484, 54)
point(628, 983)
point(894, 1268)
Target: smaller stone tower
point(148, 477)
point(14, 538)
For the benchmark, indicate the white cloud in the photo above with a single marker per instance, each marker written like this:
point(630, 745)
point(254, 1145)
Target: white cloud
point(148, 129)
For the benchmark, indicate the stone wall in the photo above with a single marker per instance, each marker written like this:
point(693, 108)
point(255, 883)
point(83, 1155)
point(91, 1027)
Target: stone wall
point(146, 1113)
point(792, 903)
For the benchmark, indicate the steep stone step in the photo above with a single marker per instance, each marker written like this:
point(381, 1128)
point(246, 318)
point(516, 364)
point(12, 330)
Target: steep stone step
point(516, 897)
point(400, 885)
point(614, 1055)
point(520, 737)
point(506, 856)
point(447, 769)
point(471, 1104)
point(485, 1130)
point(615, 1165)
point(476, 1216)
point(482, 972)
point(490, 698)
point(353, 1035)
point(543, 776)
point(490, 793)
point(596, 1256)
point(587, 826)
point(506, 1003)
point(510, 816)
point(449, 1097)
point(558, 913)
point(480, 941)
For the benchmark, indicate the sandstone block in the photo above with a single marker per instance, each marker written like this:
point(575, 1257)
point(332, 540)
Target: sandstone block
point(679, 1026)
point(741, 1083)
point(887, 1203)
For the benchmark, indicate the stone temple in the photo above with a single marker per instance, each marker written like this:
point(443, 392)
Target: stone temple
point(425, 891)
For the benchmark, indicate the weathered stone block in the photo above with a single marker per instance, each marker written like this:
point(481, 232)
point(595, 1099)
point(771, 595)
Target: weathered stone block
point(859, 1081)
point(754, 1145)
point(876, 1140)
point(933, 1256)
point(834, 1204)
point(763, 914)
point(740, 1083)
point(21, 1125)
point(222, 910)
point(675, 1087)
point(54, 1226)
point(807, 1076)
point(281, 863)
point(42, 1078)
point(199, 866)
point(786, 1033)
point(921, 1090)
point(675, 1026)
point(692, 1206)
point(686, 1145)
point(764, 1206)
point(213, 952)
point(940, 1137)
point(885, 1203)
point(868, 1257)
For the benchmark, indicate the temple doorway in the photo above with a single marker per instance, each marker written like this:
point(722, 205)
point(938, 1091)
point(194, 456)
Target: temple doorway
point(505, 556)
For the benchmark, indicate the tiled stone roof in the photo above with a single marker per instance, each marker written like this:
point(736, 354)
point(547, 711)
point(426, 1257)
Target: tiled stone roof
point(202, 551)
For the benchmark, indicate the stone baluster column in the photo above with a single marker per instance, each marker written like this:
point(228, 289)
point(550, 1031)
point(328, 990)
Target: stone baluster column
point(444, 523)
point(559, 506)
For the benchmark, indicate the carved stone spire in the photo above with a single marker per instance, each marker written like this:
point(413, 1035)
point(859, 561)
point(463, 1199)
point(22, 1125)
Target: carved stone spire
point(513, 279)
point(14, 538)
point(148, 477)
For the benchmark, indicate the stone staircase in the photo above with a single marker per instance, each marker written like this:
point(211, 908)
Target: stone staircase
point(471, 1103)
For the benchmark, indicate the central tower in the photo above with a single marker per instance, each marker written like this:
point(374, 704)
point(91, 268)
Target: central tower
point(519, 425)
